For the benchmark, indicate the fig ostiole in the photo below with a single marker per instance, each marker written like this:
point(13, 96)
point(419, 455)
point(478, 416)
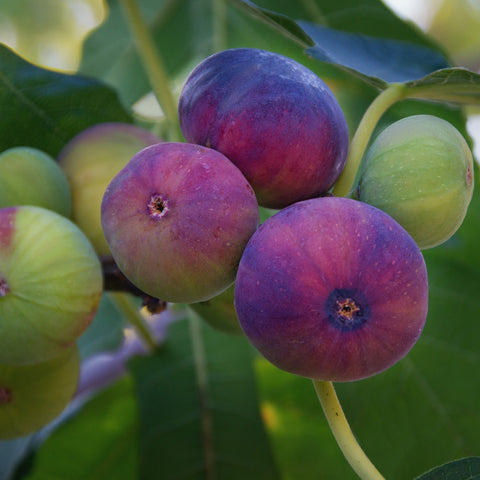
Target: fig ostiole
point(31, 396)
point(29, 176)
point(272, 117)
point(176, 219)
point(420, 171)
point(90, 160)
point(332, 289)
point(51, 283)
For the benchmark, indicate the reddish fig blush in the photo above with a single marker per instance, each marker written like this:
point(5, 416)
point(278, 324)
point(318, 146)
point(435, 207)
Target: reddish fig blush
point(177, 218)
point(271, 116)
point(332, 289)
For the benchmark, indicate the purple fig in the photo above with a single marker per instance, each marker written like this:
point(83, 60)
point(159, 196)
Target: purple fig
point(51, 283)
point(272, 117)
point(177, 218)
point(332, 289)
point(90, 160)
point(31, 396)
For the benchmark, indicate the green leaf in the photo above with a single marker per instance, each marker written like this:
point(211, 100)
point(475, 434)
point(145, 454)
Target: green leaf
point(378, 61)
point(99, 443)
point(463, 469)
point(198, 408)
point(457, 85)
point(44, 109)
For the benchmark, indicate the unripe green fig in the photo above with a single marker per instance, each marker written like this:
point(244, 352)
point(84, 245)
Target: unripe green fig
point(29, 176)
point(90, 160)
point(420, 171)
point(219, 312)
point(31, 396)
point(51, 283)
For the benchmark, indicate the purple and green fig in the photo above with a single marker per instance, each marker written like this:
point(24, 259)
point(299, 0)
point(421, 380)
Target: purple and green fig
point(420, 171)
point(29, 176)
point(90, 160)
point(176, 219)
point(272, 117)
point(51, 283)
point(332, 289)
point(31, 396)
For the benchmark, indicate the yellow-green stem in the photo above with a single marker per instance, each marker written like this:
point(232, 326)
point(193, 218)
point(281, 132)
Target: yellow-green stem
point(342, 432)
point(124, 302)
point(219, 25)
point(392, 94)
point(153, 64)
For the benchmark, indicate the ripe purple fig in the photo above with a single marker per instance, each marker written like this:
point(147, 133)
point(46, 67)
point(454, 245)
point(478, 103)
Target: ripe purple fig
point(332, 289)
point(177, 218)
point(272, 117)
point(420, 171)
point(51, 283)
point(90, 160)
point(31, 396)
point(29, 176)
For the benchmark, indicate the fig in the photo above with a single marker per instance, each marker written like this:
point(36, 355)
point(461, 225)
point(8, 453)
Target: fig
point(29, 176)
point(219, 312)
point(272, 117)
point(332, 289)
point(31, 396)
point(90, 160)
point(50, 284)
point(420, 171)
point(176, 219)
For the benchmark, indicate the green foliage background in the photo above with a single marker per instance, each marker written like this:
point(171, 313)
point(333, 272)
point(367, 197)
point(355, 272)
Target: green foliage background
point(262, 423)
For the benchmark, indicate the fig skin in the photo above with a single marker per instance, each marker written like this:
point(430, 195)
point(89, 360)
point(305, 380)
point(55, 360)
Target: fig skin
point(420, 171)
point(332, 289)
point(52, 284)
point(272, 117)
point(31, 396)
point(219, 312)
point(177, 218)
point(29, 176)
point(90, 160)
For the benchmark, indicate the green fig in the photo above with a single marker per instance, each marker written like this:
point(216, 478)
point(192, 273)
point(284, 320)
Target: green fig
point(219, 312)
point(90, 160)
point(29, 176)
point(51, 283)
point(31, 396)
point(419, 170)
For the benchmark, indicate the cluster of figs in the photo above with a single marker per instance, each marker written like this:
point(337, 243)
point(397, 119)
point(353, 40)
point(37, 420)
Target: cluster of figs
point(329, 288)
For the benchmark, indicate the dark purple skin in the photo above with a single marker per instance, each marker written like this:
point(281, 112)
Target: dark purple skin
point(272, 117)
point(177, 218)
point(332, 289)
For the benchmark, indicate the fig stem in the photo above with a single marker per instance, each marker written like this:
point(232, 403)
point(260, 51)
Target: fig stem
point(342, 432)
point(359, 143)
point(123, 301)
point(219, 25)
point(201, 370)
point(153, 64)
